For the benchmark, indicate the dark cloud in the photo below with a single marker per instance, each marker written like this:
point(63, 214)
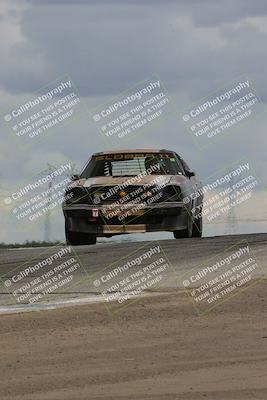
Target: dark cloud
point(204, 12)
point(108, 46)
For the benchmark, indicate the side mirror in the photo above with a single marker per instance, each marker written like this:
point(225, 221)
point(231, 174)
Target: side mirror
point(75, 177)
point(190, 173)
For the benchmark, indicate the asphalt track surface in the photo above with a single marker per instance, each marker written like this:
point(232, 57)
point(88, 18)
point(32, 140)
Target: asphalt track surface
point(95, 261)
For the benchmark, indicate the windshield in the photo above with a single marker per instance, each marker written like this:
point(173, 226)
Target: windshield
point(118, 165)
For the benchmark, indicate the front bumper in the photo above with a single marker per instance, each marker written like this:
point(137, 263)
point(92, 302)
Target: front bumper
point(168, 216)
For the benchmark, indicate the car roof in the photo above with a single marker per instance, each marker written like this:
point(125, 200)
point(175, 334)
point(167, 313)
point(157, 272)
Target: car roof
point(119, 151)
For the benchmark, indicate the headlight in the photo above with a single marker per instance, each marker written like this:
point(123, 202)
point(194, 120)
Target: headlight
point(148, 194)
point(172, 193)
point(96, 197)
point(74, 194)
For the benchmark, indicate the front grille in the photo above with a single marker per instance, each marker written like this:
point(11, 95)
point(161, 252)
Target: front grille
point(97, 195)
point(107, 194)
point(135, 193)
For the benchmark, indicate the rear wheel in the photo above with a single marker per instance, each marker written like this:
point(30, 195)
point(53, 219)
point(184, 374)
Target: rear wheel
point(78, 238)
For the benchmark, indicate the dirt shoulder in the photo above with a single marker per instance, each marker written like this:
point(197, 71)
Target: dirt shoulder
point(157, 348)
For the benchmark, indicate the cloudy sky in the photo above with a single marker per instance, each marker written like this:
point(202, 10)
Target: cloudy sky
point(107, 47)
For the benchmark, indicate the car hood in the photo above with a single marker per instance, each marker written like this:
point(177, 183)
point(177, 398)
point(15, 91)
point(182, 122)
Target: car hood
point(146, 180)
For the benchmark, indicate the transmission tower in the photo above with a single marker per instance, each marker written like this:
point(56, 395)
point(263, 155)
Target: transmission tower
point(231, 222)
point(47, 224)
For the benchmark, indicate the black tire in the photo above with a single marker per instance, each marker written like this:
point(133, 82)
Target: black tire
point(185, 233)
point(197, 227)
point(79, 239)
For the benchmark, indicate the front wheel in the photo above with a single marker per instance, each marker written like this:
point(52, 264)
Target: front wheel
point(185, 233)
point(78, 238)
point(197, 227)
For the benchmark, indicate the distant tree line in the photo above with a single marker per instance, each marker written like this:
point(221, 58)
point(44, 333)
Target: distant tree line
point(28, 243)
